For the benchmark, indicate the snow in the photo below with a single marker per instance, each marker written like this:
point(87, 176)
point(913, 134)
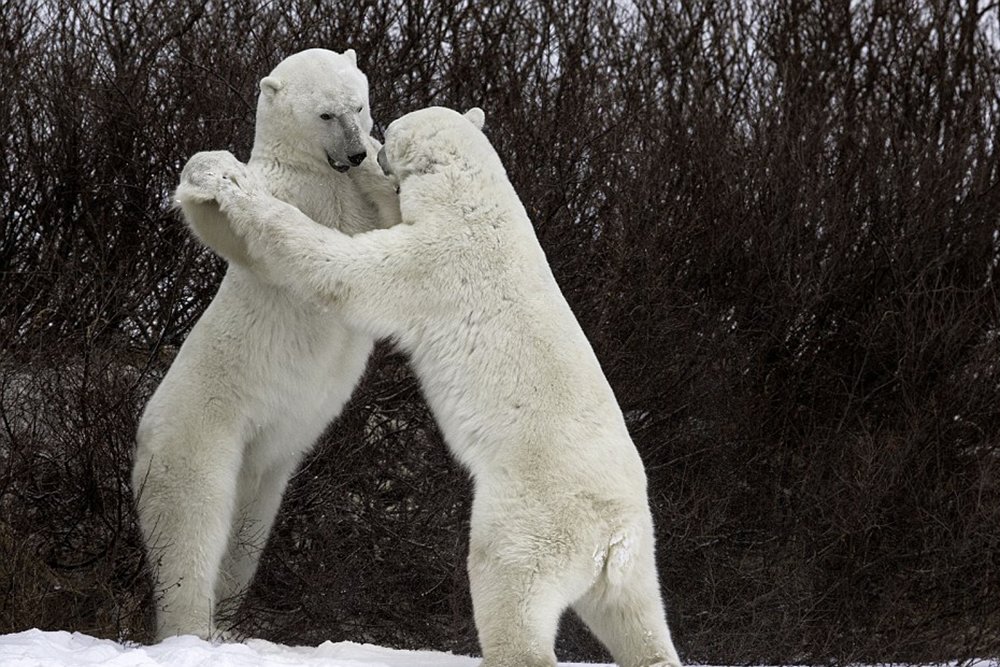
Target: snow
point(37, 648)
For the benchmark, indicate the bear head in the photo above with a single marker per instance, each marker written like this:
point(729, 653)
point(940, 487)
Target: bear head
point(313, 108)
point(424, 141)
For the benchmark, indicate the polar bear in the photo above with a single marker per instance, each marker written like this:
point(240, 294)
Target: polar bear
point(262, 372)
point(560, 516)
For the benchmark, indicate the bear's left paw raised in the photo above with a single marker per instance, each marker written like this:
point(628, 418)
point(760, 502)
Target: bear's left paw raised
point(213, 175)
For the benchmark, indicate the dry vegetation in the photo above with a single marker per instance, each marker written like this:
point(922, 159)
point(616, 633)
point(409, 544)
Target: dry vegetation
point(777, 222)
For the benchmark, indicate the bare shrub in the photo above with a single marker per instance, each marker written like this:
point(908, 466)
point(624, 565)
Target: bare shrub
point(777, 222)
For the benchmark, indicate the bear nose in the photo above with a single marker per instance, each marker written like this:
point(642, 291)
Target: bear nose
point(357, 158)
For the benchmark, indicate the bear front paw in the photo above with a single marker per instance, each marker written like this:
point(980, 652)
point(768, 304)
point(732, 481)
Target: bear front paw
point(213, 175)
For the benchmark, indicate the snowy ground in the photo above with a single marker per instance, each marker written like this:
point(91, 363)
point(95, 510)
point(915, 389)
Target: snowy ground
point(35, 648)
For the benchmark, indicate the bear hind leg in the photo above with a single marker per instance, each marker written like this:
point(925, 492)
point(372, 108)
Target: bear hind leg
point(185, 496)
point(257, 503)
point(516, 611)
point(628, 618)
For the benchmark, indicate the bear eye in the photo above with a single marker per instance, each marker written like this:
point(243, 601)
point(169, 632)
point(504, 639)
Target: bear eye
point(325, 116)
point(361, 108)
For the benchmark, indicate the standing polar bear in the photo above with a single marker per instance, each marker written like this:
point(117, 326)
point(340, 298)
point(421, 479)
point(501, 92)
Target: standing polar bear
point(262, 372)
point(559, 516)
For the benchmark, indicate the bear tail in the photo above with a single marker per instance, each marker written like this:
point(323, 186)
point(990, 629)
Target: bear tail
point(618, 558)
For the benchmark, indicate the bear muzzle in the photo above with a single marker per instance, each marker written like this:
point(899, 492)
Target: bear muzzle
point(354, 158)
point(337, 165)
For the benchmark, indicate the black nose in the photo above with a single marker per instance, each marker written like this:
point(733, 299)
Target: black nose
point(357, 158)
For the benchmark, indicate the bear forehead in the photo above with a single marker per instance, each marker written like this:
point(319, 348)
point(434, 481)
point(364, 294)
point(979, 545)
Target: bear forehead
point(326, 92)
point(326, 78)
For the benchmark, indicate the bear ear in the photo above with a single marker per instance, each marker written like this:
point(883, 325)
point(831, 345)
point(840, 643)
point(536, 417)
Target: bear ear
point(352, 55)
point(476, 116)
point(270, 85)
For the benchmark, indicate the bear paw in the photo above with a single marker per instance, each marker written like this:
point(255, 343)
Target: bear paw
point(213, 175)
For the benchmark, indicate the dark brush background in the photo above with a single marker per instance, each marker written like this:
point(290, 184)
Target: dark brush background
point(778, 223)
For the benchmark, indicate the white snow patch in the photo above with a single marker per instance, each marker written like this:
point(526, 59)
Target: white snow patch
point(37, 648)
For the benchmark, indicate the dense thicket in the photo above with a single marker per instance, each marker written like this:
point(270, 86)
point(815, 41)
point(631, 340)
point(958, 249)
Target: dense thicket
point(777, 222)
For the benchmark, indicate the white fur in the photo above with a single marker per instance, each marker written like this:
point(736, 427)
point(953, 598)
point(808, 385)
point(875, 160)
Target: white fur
point(560, 516)
point(262, 372)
